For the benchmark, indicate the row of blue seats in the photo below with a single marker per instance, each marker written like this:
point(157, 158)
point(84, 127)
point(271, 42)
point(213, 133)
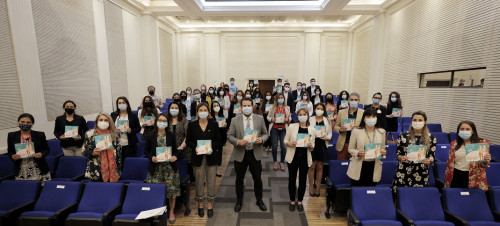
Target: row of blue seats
point(423, 206)
point(62, 203)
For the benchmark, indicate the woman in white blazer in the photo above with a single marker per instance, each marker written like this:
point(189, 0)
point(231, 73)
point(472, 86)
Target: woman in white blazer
point(323, 134)
point(298, 157)
point(277, 129)
point(366, 172)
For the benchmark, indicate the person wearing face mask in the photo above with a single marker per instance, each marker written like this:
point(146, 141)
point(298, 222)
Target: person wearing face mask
point(205, 165)
point(289, 98)
point(216, 111)
point(103, 165)
point(305, 102)
point(34, 168)
point(233, 112)
point(196, 99)
point(251, 86)
point(343, 96)
point(298, 158)
point(128, 137)
point(278, 129)
point(164, 172)
point(320, 118)
point(344, 133)
point(279, 87)
point(179, 99)
point(247, 155)
point(393, 102)
point(410, 174)
point(380, 109)
point(268, 100)
point(312, 89)
point(366, 172)
point(297, 93)
point(331, 108)
point(224, 101)
point(257, 99)
point(233, 88)
point(203, 91)
point(229, 94)
point(187, 104)
point(156, 98)
point(177, 124)
point(71, 146)
point(148, 110)
point(210, 96)
point(459, 172)
point(316, 97)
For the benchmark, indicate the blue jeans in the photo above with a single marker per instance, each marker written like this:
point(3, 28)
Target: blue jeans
point(275, 135)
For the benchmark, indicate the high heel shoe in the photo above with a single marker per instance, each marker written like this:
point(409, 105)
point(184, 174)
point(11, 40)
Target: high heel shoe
point(282, 167)
point(201, 212)
point(275, 166)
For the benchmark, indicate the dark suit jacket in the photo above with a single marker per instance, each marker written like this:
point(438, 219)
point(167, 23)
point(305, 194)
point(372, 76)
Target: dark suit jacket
point(194, 133)
point(41, 146)
point(193, 107)
point(60, 125)
point(309, 90)
point(150, 150)
point(134, 124)
point(290, 101)
point(295, 94)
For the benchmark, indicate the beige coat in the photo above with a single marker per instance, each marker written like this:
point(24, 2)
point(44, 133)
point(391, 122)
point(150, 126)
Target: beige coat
point(356, 144)
point(344, 113)
point(291, 135)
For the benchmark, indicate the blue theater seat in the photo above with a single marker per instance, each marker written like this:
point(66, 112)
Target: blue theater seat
point(467, 207)
point(91, 124)
point(6, 167)
point(12, 203)
point(493, 175)
point(389, 169)
point(442, 151)
point(135, 170)
point(435, 127)
point(372, 206)
point(70, 168)
point(442, 138)
point(422, 206)
point(391, 150)
point(140, 148)
point(55, 147)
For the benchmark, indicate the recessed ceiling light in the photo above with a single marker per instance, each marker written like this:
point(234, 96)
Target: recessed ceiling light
point(316, 21)
point(187, 21)
point(251, 21)
point(272, 21)
point(229, 21)
point(295, 21)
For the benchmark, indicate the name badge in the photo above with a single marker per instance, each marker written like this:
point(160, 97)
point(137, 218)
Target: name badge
point(379, 111)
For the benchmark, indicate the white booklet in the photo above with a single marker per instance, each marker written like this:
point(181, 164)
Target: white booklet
point(151, 213)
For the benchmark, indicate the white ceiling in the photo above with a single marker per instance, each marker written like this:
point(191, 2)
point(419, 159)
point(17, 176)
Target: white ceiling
point(263, 13)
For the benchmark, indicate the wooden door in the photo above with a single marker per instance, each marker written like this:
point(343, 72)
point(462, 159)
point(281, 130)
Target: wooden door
point(266, 85)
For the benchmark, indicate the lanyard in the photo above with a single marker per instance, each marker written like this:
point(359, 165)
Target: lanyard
point(24, 140)
point(373, 137)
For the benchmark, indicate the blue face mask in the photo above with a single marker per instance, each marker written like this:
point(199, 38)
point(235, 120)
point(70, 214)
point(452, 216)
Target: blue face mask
point(465, 135)
point(353, 104)
point(174, 112)
point(122, 107)
point(281, 101)
point(197, 96)
point(376, 101)
point(394, 99)
point(203, 115)
point(247, 110)
point(302, 118)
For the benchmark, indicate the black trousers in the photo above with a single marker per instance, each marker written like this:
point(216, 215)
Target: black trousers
point(301, 165)
point(255, 167)
point(366, 177)
point(460, 179)
point(128, 151)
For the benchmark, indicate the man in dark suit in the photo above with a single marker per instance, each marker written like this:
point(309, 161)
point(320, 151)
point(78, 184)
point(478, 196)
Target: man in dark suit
point(312, 88)
point(247, 155)
point(289, 100)
point(279, 86)
point(296, 93)
point(195, 101)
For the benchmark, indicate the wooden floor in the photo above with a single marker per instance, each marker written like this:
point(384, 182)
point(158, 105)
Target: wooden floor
point(314, 207)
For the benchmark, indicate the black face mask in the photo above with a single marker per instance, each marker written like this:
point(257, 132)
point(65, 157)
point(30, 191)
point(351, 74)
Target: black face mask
point(151, 92)
point(177, 100)
point(148, 104)
point(329, 100)
point(183, 97)
point(25, 127)
point(69, 111)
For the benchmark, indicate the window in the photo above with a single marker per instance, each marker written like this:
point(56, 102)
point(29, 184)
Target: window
point(463, 78)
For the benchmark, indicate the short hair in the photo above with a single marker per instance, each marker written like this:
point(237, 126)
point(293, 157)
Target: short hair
point(26, 115)
point(151, 87)
point(280, 79)
point(354, 94)
point(287, 83)
point(231, 79)
point(196, 90)
point(247, 99)
point(377, 93)
point(312, 79)
point(69, 101)
point(482, 80)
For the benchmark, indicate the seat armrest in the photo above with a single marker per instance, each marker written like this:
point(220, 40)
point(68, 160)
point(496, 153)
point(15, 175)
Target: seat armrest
point(454, 218)
point(62, 214)
point(496, 215)
point(78, 178)
point(113, 212)
point(403, 217)
point(328, 182)
point(352, 218)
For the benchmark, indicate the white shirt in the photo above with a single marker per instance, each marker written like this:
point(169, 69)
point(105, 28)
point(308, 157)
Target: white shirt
point(286, 97)
point(250, 118)
point(460, 160)
point(123, 134)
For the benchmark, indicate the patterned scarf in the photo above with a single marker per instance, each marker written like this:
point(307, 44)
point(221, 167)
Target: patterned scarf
point(108, 162)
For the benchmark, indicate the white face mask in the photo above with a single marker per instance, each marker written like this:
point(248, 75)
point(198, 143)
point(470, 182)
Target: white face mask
point(279, 83)
point(221, 93)
point(304, 87)
point(217, 109)
point(203, 115)
point(319, 112)
point(232, 82)
point(239, 98)
point(162, 125)
point(287, 89)
point(211, 91)
point(103, 125)
point(371, 122)
point(302, 118)
point(418, 125)
point(268, 97)
point(248, 95)
point(313, 83)
point(188, 92)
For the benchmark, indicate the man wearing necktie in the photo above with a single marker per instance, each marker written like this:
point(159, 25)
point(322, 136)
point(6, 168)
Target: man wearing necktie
point(246, 154)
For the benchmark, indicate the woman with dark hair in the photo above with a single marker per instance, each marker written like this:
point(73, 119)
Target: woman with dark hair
point(380, 109)
point(257, 100)
point(224, 101)
point(265, 112)
point(342, 97)
point(393, 102)
point(28, 166)
point(331, 108)
point(216, 113)
point(316, 96)
point(279, 116)
point(177, 124)
point(70, 144)
point(163, 172)
point(147, 116)
point(305, 102)
point(461, 173)
point(366, 172)
point(414, 174)
point(178, 99)
point(319, 120)
point(127, 126)
point(235, 108)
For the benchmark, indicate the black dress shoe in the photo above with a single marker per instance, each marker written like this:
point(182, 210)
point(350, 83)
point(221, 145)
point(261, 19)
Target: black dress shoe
point(300, 208)
point(210, 213)
point(261, 205)
point(237, 207)
point(291, 207)
point(201, 212)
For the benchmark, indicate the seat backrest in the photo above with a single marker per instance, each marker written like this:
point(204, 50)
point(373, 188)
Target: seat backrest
point(91, 124)
point(434, 127)
point(16, 193)
point(338, 172)
point(495, 199)
point(373, 203)
point(55, 147)
point(135, 169)
point(143, 197)
point(392, 136)
point(452, 136)
point(71, 166)
point(57, 195)
point(440, 169)
point(442, 138)
point(6, 165)
point(391, 152)
point(405, 127)
point(335, 137)
point(99, 197)
point(52, 163)
point(140, 147)
point(406, 120)
point(470, 204)
point(493, 174)
point(495, 152)
point(182, 168)
point(389, 169)
point(432, 179)
point(442, 151)
point(420, 203)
